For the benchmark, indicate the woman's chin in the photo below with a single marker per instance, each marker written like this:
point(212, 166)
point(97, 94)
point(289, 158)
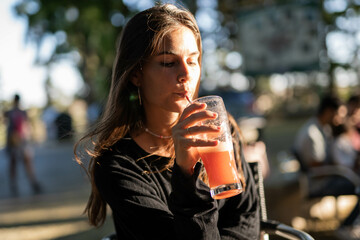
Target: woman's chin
point(182, 105)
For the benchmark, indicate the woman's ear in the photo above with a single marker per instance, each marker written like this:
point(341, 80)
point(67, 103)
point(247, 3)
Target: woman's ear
point(135, 79)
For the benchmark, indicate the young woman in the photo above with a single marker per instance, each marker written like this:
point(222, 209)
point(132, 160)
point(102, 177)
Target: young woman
point(144, 162)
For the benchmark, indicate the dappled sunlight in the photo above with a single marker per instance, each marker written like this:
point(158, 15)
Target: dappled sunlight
point(345, 204)
point(325, 209)
point(326, 214)
point(42, 213)
point(44, 231)
point(313, 225)
point(274, 60)
point(43, 222)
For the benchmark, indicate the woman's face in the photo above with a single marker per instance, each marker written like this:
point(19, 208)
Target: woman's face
point(172, 73)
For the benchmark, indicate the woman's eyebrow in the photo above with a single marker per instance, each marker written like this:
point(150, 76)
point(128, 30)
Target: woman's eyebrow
point(172, 53)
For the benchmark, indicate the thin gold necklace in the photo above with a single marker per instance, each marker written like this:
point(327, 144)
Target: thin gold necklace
point(157, 135)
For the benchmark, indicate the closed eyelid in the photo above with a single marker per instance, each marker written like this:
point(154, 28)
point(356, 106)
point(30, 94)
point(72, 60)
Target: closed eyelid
point(170, 58)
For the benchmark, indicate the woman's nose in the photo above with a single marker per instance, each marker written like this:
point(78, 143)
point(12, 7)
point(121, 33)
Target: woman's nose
point(184, 72)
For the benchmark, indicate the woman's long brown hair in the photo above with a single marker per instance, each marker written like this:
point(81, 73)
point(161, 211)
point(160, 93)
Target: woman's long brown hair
point(123, 114)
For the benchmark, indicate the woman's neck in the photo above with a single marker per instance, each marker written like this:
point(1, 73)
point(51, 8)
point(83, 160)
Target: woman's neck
point(160, 123)
point(157, 124)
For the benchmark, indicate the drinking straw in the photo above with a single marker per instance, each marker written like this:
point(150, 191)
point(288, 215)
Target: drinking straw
point(187, 98)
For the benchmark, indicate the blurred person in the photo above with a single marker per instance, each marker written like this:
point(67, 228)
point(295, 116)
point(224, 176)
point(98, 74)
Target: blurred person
point(342, 151)
point(144, 163)
point(313, 146)
point(313, 140)
point(346, 146)
point(353, 113)
point(17, 145)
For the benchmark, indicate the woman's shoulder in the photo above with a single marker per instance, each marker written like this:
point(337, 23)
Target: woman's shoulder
point(125, 162)
point(124, 151)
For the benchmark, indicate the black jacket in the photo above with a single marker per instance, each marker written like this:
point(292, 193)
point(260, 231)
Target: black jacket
point(148, 204)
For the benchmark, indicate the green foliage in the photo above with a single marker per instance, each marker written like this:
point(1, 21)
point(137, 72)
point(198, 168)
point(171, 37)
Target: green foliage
point(90, 28)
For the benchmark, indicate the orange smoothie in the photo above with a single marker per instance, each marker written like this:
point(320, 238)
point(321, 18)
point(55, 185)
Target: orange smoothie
point(220, 165)
point(219, 161)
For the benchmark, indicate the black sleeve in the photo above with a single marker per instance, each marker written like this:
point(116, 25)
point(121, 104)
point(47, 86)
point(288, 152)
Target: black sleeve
point(237, 217)
point(140, 212)
point(193, 207)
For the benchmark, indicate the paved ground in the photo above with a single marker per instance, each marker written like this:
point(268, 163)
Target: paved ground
point(56, 213)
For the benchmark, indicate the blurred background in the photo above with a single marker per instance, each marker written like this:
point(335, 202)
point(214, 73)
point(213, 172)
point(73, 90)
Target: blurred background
point(271, 61)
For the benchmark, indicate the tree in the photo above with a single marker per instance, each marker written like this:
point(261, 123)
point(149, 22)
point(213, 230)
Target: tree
point(85, 28)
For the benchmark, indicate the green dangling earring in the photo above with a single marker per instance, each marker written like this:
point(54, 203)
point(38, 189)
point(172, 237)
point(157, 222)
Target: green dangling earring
point(135, 96)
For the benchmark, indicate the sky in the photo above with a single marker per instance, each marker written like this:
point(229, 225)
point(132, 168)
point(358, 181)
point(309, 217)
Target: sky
point(18, 74)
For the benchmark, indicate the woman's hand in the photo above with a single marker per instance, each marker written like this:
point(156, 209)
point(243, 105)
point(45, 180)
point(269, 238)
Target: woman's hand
point(185, 135)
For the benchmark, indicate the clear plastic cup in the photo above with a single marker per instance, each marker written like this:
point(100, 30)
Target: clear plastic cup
point(219, 161)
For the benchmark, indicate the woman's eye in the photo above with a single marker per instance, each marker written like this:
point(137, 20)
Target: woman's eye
point(167, 64)
point(192, 63)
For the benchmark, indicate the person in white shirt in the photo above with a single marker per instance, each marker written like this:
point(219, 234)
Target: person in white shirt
point(313, 140)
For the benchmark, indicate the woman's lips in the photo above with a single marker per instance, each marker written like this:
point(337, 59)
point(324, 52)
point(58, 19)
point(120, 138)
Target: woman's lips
point(182, 94)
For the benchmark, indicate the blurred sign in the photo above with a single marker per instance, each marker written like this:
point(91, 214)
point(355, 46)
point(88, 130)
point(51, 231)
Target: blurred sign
point(281, 38)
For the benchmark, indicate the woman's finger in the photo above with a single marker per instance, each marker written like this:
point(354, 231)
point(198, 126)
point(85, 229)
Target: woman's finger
point(188, 143)
point(192, 108)
point(195, 130)
point(187, 127)
point(197, 117)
